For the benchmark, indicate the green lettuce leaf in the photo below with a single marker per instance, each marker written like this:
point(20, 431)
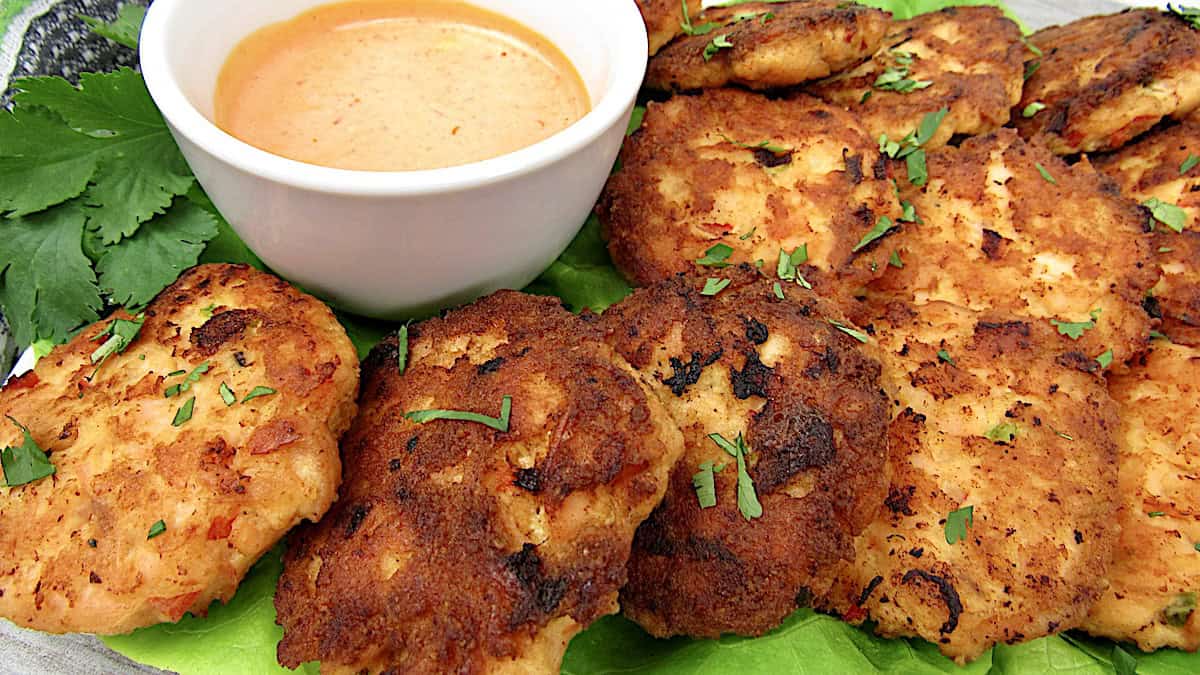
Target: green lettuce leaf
point(583, 276)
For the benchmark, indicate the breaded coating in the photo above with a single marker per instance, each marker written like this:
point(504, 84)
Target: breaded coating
point(734, 168)
point(663, 20)
point(765, 45)
point(151, 513)
point(1155, 574)
point(999, 235)
point(1165, 165)
point(459, 547)
point(969, 60)
point(989, 417)
point(1106, 79)
point(807, 399)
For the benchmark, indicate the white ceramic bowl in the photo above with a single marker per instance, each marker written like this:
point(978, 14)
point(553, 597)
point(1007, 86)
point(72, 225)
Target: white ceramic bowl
point(392, 244)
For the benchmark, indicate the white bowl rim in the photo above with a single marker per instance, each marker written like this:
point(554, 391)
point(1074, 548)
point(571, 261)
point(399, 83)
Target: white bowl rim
point(628, 67)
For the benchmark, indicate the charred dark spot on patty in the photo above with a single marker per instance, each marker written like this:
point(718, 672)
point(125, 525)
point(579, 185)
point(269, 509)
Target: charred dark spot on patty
point(1078, 361)
point(854, 167)
point(897, 499)
point(755, 331)
point(866, 593)
point(357, 515)
point(222, 328)
point(770, 160)
point(529, 479)
point(946, 590)
point(687, 374)
point(490, 366)
point(752, 379)
point(789, 439)
point(992, 244)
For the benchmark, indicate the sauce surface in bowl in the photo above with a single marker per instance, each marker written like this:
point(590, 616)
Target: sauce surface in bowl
point(397, 85)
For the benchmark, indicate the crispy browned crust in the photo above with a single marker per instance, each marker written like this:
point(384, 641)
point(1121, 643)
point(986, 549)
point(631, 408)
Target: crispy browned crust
point(663, 19)
point(228, 483)
point(454, 547)
point(1149, 169)
point(1043, 528)
point(1156, 560)
point(686, 185)
point(799, 42)
point(974, 58)
point(1106, 79)
point(996, 235)
point(808, 399)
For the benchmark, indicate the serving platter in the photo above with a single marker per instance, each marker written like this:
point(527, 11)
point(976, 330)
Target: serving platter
point(56, 46)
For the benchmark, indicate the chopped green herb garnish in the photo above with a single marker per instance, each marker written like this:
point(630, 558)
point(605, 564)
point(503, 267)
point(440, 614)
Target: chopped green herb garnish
point(192, 378)
point(1156, 335)
point(945, 357)
point(1063, 434)
point(1033, 49)
point(1033, 109)
point(24, 463)
point(498, 423)
point(259, 391)
point(1075, 330)
point(895, 260)
point(402, 349)
point(1004, 433)
point(749, 234)
point(929, 126)
point(1191, 15)
point(156, 529)
point(716, 256)
point(779, 291)
point(747, 498)
point(713, 286)
point(896, 78)
point(686, 23)
point(1180, 610)
point(957, 523)
point(856, 334)
point(1196, 546)
point(635, 119)
point(176, 373)
point(706, 484)
point(227, 395)
point(1189, 164)
point(121, 333)
point(124, 29)
point(1105, 360)
point(788, 262)
point(918, 169)
point(1165, 249)
point(1168, 214)
point(1031, 68)
point(770, 147)
point(718, 43)
point(184, 413)
point(1156, 514)
point(1046, 174)
point(910, 213)
point(207, 312)
point(881, 229)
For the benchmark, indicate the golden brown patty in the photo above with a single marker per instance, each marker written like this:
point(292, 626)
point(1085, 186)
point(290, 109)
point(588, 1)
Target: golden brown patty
point(1155, 575)
point(807, 399)
point(998, 235)
point(456, 547)
point(1106, 79)
point(79, 548)
point(663, 20)
point(966, 59)
point(769, 45)
point(988, 418)
point(1152, 169)
point(695, 177)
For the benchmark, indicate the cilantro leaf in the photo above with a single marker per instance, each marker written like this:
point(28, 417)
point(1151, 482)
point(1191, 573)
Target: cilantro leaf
point(1075, 330)
point(135, 271)
point(184, 413)
point(228, 395)
point(192, 378)
point(259, 391)
point(895, 260)
point(1033, 109)
point(1003, 433)
point(1105, 360)
point(1190, 15)
point(156, 529)
point(25, 463)
point(1189, 164)
point(747, 498)
point(123, 30)
point(945, 357)
point(402, 349)
point(882, 228)
point(136, 168)
point(120, 333)
point(1046, 176)
point(706, 484)
point(856, 334)
point(716, 256)
point(498, 423)
point(47, 287)
point(1168, 214)
point(957, 522)
point(718, 43)
point(713, 286)
point(42, 161)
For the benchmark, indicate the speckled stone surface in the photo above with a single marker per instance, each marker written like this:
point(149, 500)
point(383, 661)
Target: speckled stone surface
point(48, 39)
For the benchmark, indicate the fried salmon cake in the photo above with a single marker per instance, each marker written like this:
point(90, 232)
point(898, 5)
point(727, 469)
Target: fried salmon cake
point(734, 169)
point(479, 545)
point(1156, 566)
point(968, 60)
point(802, 398)
point(664, 20)
point(764, 45)
point(999, 524)
point(178, 461)
point(1104, 80)
point(1165, 166)
point(1007, 226)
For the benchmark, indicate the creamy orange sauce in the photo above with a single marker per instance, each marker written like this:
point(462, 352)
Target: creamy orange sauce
point(397, 85)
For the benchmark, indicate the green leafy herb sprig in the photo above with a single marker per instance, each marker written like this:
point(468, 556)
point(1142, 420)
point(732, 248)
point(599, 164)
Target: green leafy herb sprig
point(97, 206)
